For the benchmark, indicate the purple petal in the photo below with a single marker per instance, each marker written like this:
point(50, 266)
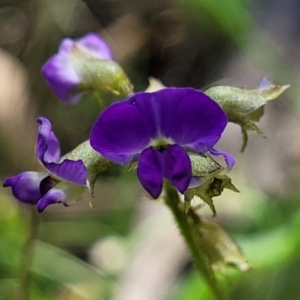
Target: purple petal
point(229, 159)
point(264, 84)
point(26, 186)
point(196, 181)
point(150, 171)
point(52, 197)
point(92, 44)
point(47, 184)
point(48, 153)
point(61, 71)
point(188, 117)
point(60, 74)
point(48, 149)
point(63, 192)
point(177, 167)
point(124, 130)
point(69, 170)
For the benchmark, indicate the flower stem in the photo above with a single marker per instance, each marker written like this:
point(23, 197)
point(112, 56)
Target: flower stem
point(190, 235)
point(27, 255)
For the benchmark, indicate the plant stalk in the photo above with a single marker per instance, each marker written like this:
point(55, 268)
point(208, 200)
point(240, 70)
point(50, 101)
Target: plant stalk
point(190, 235)
point(27, 255)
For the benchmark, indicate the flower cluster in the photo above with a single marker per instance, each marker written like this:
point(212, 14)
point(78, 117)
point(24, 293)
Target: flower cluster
point(61, 182)
point(168, 134)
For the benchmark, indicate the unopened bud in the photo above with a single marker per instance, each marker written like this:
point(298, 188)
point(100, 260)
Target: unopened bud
point(243, 106)
point(84, 65)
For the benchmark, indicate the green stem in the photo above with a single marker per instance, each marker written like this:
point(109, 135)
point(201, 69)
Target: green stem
point(190, 235)
point(27, 255)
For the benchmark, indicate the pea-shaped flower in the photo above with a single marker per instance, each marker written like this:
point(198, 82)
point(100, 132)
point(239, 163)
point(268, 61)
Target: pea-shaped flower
point(157, 129)
point(83, 65)
point(64, 180)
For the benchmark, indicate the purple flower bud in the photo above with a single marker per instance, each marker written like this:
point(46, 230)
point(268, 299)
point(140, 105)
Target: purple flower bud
point(26, 186)
point(83, 65)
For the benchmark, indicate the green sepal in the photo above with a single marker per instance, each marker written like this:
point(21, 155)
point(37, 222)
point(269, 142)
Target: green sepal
point(94, 162)
point(256, 114)
point(246, 125)
point(101, 75)
point(212, 186)
point(243, 106)
point(132, 166)
point(204, 165)
point(236, 100)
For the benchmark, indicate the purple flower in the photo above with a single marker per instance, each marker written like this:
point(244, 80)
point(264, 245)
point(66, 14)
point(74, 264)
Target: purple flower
point(64, 179)
point(84, 64)
point(158, 129)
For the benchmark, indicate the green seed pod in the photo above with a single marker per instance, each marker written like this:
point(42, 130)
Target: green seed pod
point(221, 250)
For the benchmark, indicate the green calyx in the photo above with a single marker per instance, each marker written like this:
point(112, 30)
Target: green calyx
point(220, 249)
point(101, 75)
point(204, 165)
point(245, 106)
point(212, 180)
point(94, 162)
point(105, 76)
point(211, 186)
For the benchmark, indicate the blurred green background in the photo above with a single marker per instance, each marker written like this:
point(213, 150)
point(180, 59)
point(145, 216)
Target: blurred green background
point(128, 247)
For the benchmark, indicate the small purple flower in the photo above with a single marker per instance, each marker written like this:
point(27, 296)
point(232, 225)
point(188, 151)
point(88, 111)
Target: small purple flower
point(62, 72)
point(81, 65)
point(158, 129)
point(63, 182)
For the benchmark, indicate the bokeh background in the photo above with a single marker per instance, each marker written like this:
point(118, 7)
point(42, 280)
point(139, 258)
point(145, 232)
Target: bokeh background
point(128, 247)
